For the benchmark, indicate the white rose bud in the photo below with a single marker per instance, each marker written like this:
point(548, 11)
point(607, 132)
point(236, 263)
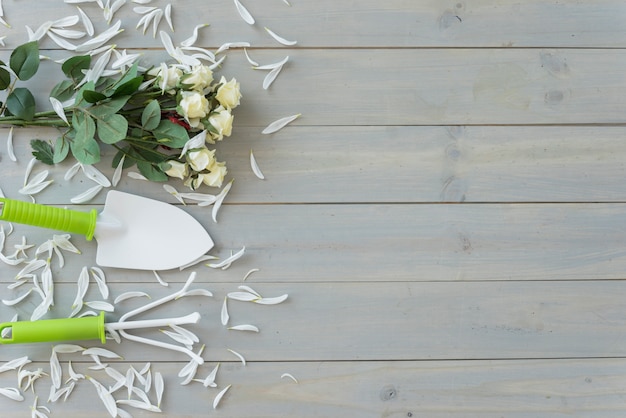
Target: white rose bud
point(168, 78)
point(177, 169)
point(200, 78)
point(193, 107)
point(200, 159)
point(228, 94)
point(222, 120)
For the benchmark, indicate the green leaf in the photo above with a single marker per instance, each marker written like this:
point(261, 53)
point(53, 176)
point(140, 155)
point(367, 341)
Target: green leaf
point(42, 151)
point(21, 103)
point(86, 151)
point(151, 116)
point(84, 126)
point(112, 128)
point(80, 101)
point(171, 134)
point(129, 87)
point(61, 150)
point(24, 60)
point(151, 172)
point(63, 91)
point(92, 96)
point(73, 67)
point(128, 161)
point(5, 78)
point(108, 108)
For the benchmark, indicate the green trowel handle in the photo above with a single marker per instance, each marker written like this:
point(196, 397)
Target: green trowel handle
point(50, 330)
point(48, 217)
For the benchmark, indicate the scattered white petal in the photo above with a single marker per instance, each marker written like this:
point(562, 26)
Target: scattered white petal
point(194, 37)
point(242, 296)
point(228, 260)
point(106, 397)
point(280, 124)
point(204, 199)
point(159, 279)
point(270, 77)
point(255, 167)
point(220, 199)
point(209, 381)
point(65, 22)
point(13, 302)
point(55, 370)
point(14, 364)
point(62, 42)
point(129, 295)
point(101, 352)
point(58, 108)
point(171, 190)
point(158, 387)
point(87, 195)
point(100, 278)
point(196, 261)
point(168, 16)
point(96, 175)
point(249, 289)
point(249, 273)
point(280, 39)
point(86, 21)
point(10, 149)
point(273, 66)
point(288, 375)
point(67, 348)
point(136, 176)
point(29, 169)
point(36, 184)
point(244, 13)
point(229, 45)
point(117, 174)
point(100, 305)
point(71, 172)
point(272, 301)
point(67, 33)
point(12, 393)
point(250, 60)
point(224, 314)
point(139, 405)
point(219, 396)
point(198, 292)
point(101, 39)
point(244, 327)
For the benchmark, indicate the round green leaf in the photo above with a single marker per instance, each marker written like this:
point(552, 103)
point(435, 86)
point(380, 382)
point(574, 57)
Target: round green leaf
point(151, 172)
point(73, 67)
point(86, 151)
point(61, 149)
point(151, 116)
point(21, 103)
point(24, 60)
point(5, 78)
point(112, 128)
point(171, 134)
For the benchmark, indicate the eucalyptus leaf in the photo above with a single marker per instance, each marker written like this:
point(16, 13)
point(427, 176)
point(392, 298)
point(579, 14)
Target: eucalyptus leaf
point(112, 128)
point(84, 126)
point(151, 116)
point(129, 87)
point(61, 150)
point(5, 78)
point(63, 91)
point(109, 107)
point(24, 60)
point(151, 172)
point(171, 134)
point(92, 96)
point(80, 101)
point(73, 67)
point(86, 151)
point(21, 103)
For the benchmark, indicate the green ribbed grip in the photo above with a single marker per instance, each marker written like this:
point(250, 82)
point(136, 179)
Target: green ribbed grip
point(51, 330)
point(49, 217)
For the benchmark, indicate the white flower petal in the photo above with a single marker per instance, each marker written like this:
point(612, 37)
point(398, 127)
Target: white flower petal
point(106, 397)
point(87, 195)
point(101, 352)
point(14, 364)
point(219, 396)
point(17, 300)
point(272, 301)
point(280, 39)
point(86, 21)
point(100, 39)
point(244, 13)
point(117, 174)
point(168, 16)
point(224, 314)
point(158, 387)
point(228, 260)
point(96, 175)
point(67, 348)
point(129, 295)
point(65, 22)
point(71, 172)
point(250, 60)
point(171, 190)
point(58, 109)
point(270, 77)
point(159, 279)
point(194, 37)
point(255, 167)
point(274, 65)
point(136, 176)
point(288, 375)
point(10, 149)
point(229, 45)
point(167, 43)
point(249, 273)
point(61, 41)
point(100, 305)
point(220, 198)
point(280, 124)
point(244, 327)
point(12, 393)
point(139, 405)
point(55, 370)
point(67, 33)
point(100, 279)
point(242, 296)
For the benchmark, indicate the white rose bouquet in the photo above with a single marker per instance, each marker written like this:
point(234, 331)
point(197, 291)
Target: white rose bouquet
point(161, 120)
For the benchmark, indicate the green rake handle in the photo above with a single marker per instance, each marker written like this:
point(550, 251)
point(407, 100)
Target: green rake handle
point(50, 330)
point(49, 217)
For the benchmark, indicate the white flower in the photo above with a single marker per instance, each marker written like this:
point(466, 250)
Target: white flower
point(222, 121)
point(228, 94)
point(168, 78)
point(193, 106)
point(177, 169)
point(200, 78)
point(201, 159)
point(215, 177)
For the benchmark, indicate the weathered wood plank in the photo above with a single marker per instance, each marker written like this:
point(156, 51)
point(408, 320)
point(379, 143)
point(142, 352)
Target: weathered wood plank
point(387, 165)
point(372, 389)
point(364, 23)
point(423, 242)
point(422, 87)
point(379, 321)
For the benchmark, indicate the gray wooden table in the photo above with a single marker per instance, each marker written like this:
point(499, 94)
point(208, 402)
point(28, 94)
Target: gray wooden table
point(447, 215)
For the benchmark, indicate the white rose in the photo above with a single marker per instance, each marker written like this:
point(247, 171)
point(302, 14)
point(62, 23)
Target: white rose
point(200, 159)
point(177, 169)
point(216, 175)
point(228, 94)
point(200, 78)
point(168, 78)
point(222, 120)
point(193, 182)
point(193, 106)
